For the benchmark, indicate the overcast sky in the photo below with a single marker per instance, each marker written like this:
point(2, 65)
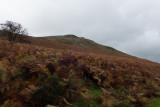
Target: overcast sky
point(131, 26)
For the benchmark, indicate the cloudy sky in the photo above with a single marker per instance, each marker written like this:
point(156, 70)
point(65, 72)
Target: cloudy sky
point(132, 26)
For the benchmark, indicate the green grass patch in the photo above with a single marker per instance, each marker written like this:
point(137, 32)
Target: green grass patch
point(95, 92)
point(3, 75)
point(110, 48)
point(158, 93)
point(150, 83)
point(155, 104)
point(158, 90)
point(80, 81)
point(119, 90)
point(81, 103)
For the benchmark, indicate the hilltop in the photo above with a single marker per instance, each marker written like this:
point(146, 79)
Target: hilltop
point(74, 40)
point(85, 44)
point(52, 71)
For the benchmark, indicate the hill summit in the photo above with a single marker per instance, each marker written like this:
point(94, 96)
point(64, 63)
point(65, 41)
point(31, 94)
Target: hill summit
point(73, 40)
point(84, 43)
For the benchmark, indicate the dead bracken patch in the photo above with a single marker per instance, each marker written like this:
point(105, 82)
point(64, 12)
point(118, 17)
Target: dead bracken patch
point(34, 76)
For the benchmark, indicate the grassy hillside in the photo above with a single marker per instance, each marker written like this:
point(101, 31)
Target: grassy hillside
point(73, 40)
point(85, 43)
point(41, 76)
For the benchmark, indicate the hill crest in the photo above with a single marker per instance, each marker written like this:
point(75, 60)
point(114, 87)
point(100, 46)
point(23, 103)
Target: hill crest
point(82, 42)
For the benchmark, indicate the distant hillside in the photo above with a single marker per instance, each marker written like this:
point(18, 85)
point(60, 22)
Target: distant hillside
point(83, 42)
point(74, 40)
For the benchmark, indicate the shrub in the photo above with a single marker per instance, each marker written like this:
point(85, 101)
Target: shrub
point(49, 93)
point(14, 32)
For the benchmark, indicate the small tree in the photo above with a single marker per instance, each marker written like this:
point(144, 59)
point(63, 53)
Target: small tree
point(14, 31)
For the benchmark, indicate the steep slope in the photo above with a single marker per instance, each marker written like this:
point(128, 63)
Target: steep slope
point(37, 76)
point(85, 43)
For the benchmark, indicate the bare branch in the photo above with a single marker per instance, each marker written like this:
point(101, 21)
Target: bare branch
point(13, 31)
